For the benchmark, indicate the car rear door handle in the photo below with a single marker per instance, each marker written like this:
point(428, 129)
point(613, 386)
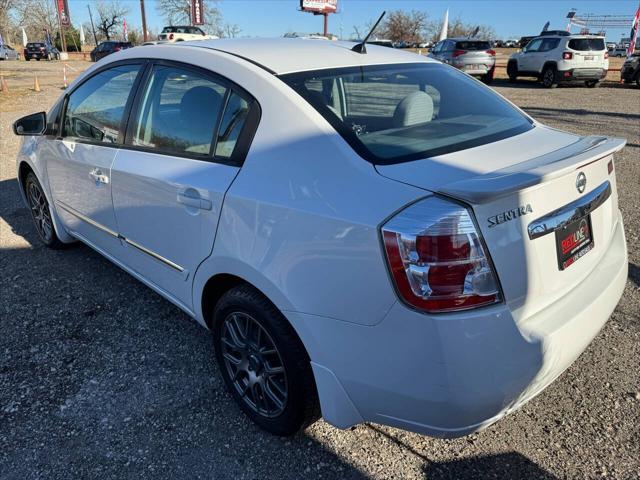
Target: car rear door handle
point(192, 198)
point(98, 176)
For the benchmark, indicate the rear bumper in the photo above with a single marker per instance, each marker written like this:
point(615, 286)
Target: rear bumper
point(581, 74)
point(450, 375)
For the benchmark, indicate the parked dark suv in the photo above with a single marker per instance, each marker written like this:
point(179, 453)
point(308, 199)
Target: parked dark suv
point(41, 50)
point(630, 71)
point(107, 48)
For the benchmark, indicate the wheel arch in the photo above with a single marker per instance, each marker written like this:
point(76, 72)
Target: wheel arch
point(550, 63)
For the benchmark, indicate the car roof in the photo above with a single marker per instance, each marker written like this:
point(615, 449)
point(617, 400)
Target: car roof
point(288, 55)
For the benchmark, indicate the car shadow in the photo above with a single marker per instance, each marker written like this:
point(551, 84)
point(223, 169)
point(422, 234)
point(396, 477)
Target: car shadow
point(502, 465)
point(533, 83)
point(100, 377)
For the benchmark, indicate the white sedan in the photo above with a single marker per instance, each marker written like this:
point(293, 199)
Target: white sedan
point(371, 237)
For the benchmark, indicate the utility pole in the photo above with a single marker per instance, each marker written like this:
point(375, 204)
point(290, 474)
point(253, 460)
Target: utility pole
point(144, 21)
point(95, 38)
point(326, 24)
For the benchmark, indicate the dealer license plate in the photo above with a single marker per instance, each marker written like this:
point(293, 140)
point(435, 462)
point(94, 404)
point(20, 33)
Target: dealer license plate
point(573, 242)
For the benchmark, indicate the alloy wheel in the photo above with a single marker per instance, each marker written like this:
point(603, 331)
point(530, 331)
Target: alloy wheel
point(254, 365)
point(40, 211)
point(548, 78)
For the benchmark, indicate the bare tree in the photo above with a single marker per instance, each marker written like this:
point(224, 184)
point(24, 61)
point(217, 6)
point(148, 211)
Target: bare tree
point(458, 28)
point(110, 16)
point(37, 16)
point(404, 26)
point(179, 12)
point(231, 30)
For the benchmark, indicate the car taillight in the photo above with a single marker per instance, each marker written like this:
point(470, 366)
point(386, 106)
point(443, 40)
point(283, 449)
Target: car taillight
point(116, 49)
point(606, 55)
point(171, 36)
point(457, 53)
point(42, 49)
point(491, 52)
point(567, 55)
point(436, 258)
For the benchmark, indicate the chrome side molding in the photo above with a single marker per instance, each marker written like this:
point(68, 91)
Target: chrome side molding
point(105, 229)
point(570, 212)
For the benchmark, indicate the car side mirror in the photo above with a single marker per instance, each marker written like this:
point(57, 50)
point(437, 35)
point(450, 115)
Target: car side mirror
point(34, 124)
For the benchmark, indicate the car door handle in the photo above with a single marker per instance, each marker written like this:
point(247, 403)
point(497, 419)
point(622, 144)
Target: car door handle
point(193, 199)
point(98, 176)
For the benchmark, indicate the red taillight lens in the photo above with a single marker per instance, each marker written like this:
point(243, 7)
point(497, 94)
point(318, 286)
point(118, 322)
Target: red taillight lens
point(436, 257)
point(567, 55)
point(171, 36)
point(117, 49)
point(457, 53)
point(606, 55)
point(491, 52)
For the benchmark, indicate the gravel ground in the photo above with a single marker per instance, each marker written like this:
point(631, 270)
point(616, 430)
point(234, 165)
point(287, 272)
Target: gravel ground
point(102, 378)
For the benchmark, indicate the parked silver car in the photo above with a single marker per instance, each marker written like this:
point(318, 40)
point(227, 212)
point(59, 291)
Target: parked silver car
point(8, 53)
point(474, 57)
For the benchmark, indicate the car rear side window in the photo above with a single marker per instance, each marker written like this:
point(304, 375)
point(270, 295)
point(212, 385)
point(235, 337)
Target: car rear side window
point(96, 108)
point(233, 120)
point(396, 113)
point(587, 44)
point(180, 111)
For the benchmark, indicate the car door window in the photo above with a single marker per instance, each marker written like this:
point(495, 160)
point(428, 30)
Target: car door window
point(533, 45)
point(180, 111)
point(96, 108)
point(233, 120)
point(549, 44)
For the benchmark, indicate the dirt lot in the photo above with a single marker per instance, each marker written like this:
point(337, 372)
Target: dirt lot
point(102, 378)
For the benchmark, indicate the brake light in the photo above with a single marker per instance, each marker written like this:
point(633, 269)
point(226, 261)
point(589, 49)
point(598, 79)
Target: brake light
point(116, 49)
point(567, 55)
point(491, 52)
point(436, 258)
point(171, 36)
point(606, 55)
point(457, 53)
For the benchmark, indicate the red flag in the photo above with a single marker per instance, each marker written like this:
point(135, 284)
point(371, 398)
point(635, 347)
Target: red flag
point(634, 34)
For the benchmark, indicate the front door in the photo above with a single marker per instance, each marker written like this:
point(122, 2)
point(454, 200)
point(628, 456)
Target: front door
point(170, 180)
point(527, 60)
point(79, 165)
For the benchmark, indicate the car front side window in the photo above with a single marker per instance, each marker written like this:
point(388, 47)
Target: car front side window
point(95, 109)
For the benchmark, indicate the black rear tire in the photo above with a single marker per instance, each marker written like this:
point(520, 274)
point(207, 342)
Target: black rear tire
point(41, 212)
point(488, 77)
point(591, 83)
point(549, 77)
point(300, 406)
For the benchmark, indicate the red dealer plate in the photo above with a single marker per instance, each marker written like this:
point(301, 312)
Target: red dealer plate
point(573, 241)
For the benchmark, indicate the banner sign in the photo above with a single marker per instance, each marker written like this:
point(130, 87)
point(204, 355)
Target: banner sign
point(319, 6)
point(634, 33)
point(197, 12)
point(63, 12)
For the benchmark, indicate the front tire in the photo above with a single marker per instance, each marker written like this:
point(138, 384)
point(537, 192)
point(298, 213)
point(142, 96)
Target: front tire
point(263, 362)
point(41, 212)
point(512, 72)
point(549, 77)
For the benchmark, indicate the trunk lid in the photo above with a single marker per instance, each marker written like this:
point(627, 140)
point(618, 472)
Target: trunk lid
point(513, 183)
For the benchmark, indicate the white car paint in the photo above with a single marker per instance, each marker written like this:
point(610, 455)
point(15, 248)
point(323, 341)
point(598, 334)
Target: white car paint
point(301, 222)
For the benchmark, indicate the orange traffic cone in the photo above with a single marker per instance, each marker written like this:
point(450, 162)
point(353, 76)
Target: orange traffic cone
point(36, 84)
point(3, 85)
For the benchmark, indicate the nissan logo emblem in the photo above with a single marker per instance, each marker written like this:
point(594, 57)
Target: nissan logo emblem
point(581, 182)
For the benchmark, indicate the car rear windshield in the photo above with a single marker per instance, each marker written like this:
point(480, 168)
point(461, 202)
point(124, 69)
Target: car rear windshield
point(35, 45)
point(587, 44)
point(396, 113)
point(472, 46)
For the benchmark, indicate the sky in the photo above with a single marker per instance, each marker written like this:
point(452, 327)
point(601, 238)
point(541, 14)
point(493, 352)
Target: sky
point(273, 18)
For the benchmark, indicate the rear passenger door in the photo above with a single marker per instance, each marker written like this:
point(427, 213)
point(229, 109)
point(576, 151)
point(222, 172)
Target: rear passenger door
point(188, 134)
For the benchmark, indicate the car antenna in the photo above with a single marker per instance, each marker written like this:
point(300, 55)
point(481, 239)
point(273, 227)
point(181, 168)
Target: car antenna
point(362, 47)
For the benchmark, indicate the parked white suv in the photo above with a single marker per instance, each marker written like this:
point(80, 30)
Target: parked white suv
point(376, 234)
point(559, 58)
point(182, 33)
